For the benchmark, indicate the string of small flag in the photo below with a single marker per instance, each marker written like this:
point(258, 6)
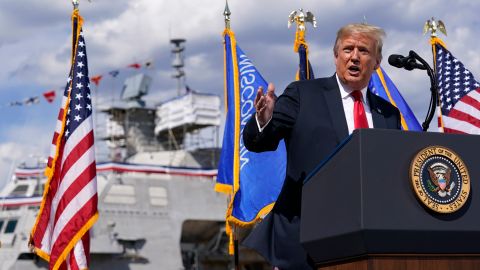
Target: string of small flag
point(114, 73)
point(51, 94)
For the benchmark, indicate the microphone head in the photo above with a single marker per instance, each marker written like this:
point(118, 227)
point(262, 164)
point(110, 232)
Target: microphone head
point(396, 60)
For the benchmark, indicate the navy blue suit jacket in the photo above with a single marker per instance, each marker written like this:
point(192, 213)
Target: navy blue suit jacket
point(309, 115)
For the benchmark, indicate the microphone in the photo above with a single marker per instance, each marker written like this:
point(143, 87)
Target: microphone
point(406, 62)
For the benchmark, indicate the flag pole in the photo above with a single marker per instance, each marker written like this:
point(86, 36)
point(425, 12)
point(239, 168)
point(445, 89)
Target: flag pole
point(300, 18)
point(234, 231)
point(433, 26)
point(75, 4)
point(75, 16)
point(226, 14)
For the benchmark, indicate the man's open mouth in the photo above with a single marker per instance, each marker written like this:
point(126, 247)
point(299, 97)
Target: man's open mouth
point(354, 70)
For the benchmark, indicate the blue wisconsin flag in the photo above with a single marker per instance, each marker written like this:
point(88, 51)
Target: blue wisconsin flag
point(253, 179)
point(381, 85)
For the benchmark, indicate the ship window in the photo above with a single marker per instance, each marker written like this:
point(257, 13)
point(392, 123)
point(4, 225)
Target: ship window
point(19, 190)
point(11, 224)
point(158, 196)
point(33, 207)
point(38, 190)
point(121, 194)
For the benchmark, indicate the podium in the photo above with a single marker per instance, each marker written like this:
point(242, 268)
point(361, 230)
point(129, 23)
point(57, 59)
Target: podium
point(360, 211)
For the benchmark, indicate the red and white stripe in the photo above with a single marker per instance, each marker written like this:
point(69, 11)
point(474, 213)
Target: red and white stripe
point(72, 198)
point(439, 119)
point(19, 201)
point(131, 168)
point(30, 172)
point(58, 130)
point(155, 169)
point(78, 260)
point(464, 117)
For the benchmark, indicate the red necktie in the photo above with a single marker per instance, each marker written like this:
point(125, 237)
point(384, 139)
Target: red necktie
point(359, 116)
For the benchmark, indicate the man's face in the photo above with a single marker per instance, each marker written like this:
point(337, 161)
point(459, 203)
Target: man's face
point(356, 59)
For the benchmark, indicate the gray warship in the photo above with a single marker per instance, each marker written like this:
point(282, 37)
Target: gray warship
point(157, 204)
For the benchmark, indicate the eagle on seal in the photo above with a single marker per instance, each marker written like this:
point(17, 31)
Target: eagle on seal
point(441, 179)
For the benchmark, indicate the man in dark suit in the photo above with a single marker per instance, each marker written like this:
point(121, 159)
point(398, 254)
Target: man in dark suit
point(313, 117)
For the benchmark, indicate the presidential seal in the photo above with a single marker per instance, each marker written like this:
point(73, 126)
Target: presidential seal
point(440, 179)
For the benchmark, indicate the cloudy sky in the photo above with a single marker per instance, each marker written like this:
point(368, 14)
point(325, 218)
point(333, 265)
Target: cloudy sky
point(35, 35)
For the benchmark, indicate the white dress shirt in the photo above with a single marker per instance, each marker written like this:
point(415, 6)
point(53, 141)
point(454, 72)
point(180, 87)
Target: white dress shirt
point(347, 101)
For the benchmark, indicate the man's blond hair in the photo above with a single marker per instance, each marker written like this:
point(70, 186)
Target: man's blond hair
point(374, 32)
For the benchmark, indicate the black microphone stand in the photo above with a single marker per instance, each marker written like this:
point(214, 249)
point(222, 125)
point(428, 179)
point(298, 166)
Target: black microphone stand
point(433, 90)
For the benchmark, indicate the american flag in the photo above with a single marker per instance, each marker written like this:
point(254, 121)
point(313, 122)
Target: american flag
point(459, 94)
point(69, 206)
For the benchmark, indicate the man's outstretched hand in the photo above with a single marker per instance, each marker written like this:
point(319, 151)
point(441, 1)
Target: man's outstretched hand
point(264, 104)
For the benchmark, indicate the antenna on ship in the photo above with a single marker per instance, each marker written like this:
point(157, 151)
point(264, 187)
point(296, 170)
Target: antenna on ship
point(178, 62)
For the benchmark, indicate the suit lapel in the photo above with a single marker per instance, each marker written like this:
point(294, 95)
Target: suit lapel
point(335, 108)
point(378, 119)
point(337, 114)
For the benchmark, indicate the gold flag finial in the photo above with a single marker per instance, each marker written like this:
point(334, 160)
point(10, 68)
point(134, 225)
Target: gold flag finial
point(434, 26)
point(76, 3)
point(300, 17)
point(227, 14)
